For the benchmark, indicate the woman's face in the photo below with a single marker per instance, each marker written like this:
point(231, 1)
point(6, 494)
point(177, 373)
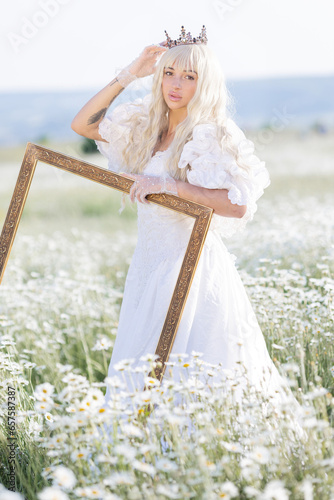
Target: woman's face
point(178, 86)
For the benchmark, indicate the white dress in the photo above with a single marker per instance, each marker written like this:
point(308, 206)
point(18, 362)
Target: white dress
point(218, 319)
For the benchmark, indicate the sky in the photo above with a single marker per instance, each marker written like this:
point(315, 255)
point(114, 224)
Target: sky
point(81, 44)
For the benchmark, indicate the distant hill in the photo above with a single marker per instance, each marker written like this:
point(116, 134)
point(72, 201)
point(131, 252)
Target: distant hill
point(294, 103)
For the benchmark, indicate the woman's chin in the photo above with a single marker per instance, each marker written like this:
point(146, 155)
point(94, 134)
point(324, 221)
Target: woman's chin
point(175, 105)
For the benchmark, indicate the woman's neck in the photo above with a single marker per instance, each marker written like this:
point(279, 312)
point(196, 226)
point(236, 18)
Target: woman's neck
point(175, 116)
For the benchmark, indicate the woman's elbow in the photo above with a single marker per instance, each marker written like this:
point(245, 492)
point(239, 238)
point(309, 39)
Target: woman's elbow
point(233, 209)
point(74, 126)
point(236, 211)
point(241, 210)
point(80, 127)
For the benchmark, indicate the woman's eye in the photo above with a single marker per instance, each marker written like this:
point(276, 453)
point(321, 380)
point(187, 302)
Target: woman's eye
point(170, 73)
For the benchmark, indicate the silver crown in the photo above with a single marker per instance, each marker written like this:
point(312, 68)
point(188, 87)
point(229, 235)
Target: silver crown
point(186, 38)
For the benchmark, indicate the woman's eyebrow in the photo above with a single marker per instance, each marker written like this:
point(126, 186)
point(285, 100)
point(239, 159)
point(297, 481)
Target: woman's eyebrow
point(185, 70)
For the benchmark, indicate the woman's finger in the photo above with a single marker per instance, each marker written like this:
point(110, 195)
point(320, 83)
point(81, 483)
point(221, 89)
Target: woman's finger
point(156, 49)
point(138, 194)
point(134, 185)
point(129, 176)
point(133, 190)
point(156, 45)
point(142, 196)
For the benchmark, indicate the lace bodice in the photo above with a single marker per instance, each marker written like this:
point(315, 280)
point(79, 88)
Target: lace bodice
point(210, 167)
point(162, 233)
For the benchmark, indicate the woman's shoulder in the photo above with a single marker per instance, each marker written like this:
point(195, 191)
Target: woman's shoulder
point(210, 129)
point(204, 143)
point(211, 165)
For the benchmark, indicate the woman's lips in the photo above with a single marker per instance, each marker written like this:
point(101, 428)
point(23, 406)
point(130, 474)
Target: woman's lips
point(174, 97)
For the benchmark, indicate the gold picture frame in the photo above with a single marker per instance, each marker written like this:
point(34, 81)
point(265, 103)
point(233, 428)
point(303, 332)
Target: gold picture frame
point(201, 214)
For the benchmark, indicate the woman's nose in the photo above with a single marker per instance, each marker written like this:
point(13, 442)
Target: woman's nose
point(177, 82)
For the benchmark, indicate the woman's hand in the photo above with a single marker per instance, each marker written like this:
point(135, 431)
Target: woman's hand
point(149, 184)
point(144, 64)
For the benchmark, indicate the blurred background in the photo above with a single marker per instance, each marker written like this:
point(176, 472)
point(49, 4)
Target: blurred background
point(57, 54)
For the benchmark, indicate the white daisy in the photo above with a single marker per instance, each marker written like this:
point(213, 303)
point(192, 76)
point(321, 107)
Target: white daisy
point(227, 490)
point(64, 477)
point(119, 478)
point(10, 495)
point(260, 454)
point(275, 491)
point(103, 344)
point(52, 493)
point(44, 390)
point(80, 454)
point(144, 467)
point(166, 465)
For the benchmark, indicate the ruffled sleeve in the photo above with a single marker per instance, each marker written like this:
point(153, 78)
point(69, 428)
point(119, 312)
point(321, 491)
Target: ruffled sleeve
point(115, 129)
point(213, 168)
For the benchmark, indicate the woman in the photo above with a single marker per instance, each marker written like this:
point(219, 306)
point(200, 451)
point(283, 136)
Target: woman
point(178, 139)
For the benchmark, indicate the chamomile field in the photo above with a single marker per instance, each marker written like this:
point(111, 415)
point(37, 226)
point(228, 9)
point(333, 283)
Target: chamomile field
point(59, 305)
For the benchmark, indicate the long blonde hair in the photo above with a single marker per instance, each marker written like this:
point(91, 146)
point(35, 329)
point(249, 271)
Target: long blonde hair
point(210, 104)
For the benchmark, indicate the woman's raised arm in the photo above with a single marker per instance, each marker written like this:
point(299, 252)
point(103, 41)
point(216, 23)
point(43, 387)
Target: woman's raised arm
point(86, 122)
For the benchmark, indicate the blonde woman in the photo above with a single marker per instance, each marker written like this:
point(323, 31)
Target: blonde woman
point(179, 139)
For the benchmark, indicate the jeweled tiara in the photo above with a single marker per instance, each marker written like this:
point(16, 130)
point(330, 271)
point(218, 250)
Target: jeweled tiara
point(185, 39)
